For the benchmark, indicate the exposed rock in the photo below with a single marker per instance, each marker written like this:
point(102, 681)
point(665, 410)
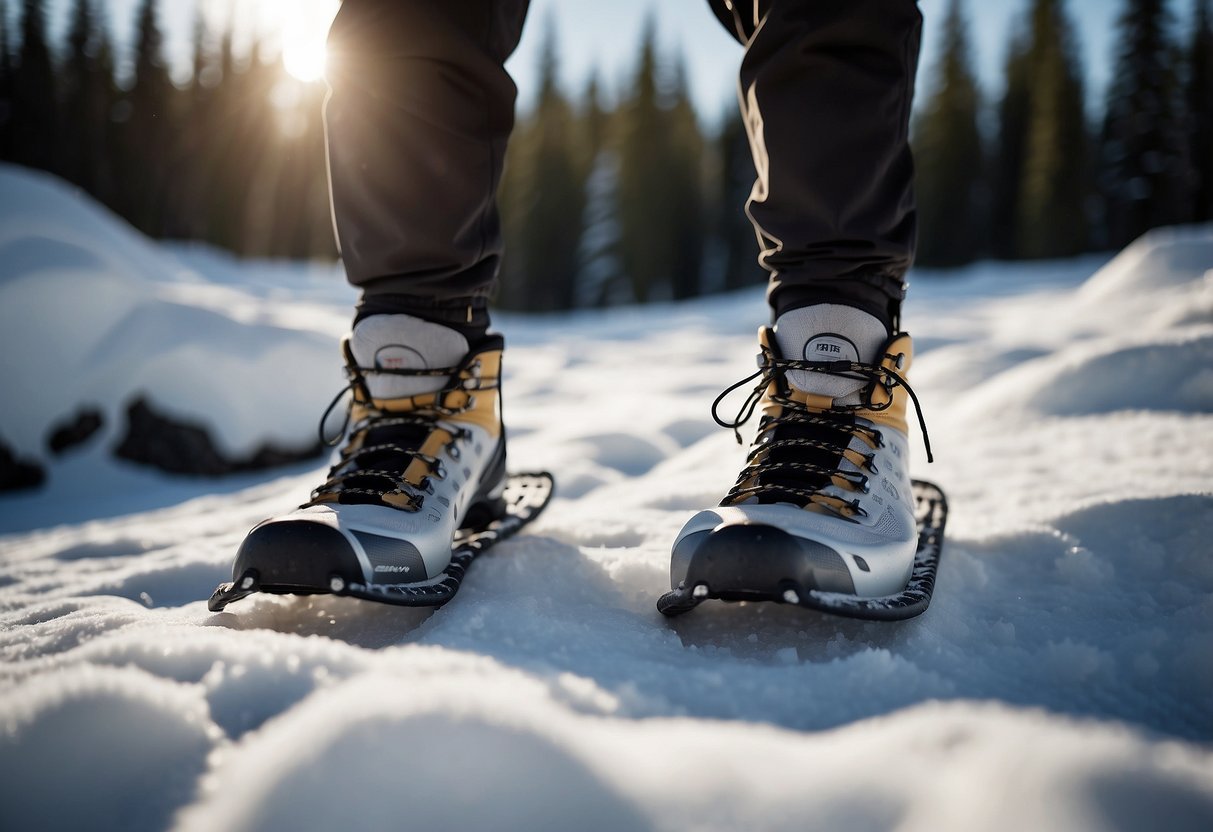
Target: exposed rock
point(74, 431)
point(16, 473)
point(180, 447)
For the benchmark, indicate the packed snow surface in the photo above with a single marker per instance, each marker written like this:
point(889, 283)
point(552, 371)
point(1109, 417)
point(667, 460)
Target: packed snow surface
point(1062, 678)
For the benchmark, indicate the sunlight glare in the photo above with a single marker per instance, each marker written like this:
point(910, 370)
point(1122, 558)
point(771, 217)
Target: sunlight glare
point(303, 37)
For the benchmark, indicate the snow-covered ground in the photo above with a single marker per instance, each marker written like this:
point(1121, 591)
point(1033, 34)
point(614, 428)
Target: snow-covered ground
point(1062, 679)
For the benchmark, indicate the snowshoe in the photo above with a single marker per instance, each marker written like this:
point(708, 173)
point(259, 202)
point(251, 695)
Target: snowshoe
point(824, 506)
point(419, 485)
point(305, 564)
point(763, 563)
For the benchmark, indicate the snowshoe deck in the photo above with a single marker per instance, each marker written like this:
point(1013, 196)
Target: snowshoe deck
point(526, 495)
point(931, 510)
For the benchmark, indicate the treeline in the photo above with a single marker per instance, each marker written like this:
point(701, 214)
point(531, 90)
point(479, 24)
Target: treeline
point(600, 204)
point(234, 156)
point(628, 199)
point(631, 202)
point(1045, 182)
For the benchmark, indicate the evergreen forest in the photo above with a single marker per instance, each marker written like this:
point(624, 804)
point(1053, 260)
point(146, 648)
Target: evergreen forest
point(628, 198)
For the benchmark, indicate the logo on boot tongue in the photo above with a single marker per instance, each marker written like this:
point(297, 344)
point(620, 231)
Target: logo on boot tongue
point(830, 347)
point(399, 357)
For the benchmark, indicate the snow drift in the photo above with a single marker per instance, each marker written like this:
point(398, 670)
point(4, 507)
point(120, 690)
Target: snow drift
point(93, 314)
point(1062, 679)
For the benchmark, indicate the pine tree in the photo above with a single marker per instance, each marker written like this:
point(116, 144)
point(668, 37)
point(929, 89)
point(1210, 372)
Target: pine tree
point(263, 170)
point(641, 249)
point(1007, 173)
point(34, 122)
point(733, 230)
point(102, 93)
point(228, 158)
point(648, 250)
point(683, 186)
point(196, 179)
point(300, 220)
point(86, 86)
point(599, 272)
point(948, 156)
point(148, 133)
point(545, 198)
point(1053, 190)
point(1200, 111)
point(594, 121)
point(1145, 170)
point(598, 269)
point(6, 85)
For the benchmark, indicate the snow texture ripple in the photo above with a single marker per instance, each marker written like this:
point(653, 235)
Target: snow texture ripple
point(1062, 679)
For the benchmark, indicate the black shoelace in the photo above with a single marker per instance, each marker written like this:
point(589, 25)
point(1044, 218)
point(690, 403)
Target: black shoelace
point(382, 444)
point(796, 455)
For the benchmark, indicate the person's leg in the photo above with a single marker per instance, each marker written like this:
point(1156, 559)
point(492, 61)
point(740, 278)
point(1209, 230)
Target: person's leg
point(824, 501)
point(825, 90)
point(417, 121)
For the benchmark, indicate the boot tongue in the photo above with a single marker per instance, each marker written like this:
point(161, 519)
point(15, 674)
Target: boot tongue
point(402, 342)
point(829, 332)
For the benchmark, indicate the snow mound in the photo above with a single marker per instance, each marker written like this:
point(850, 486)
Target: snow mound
point(47, 225)
point(99, 784)
point(1165, 371)
point(1138, 335)
point(1060, 680)
point(93, 314)
point(1159, 259)
point(366, 739)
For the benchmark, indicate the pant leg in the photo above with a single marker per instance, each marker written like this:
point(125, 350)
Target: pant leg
point(825, 91)
point(417, 120)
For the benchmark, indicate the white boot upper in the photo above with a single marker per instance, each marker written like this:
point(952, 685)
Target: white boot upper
point(871, 527)
point(430, 502)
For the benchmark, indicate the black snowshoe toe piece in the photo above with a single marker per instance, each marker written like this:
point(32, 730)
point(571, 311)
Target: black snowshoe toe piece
point(763, 563)
point(286, 558)
point(758, 561)
point(297, 556)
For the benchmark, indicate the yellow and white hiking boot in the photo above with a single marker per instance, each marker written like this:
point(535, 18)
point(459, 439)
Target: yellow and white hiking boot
point(423, 457)
point(824, 507)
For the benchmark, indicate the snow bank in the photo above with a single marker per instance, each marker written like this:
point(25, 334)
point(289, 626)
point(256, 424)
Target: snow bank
point(91, 313)
point(357, 752)
point(1062, 678)
point(145, 744)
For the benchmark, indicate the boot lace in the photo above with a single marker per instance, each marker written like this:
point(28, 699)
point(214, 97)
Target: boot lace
point(796, 453)
point(382, 444)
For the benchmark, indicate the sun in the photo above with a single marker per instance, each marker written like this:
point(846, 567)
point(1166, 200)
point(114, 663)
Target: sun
point(303, 37)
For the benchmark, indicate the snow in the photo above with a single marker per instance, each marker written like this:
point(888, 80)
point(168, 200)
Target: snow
point(108, 315)
point(1062, 679)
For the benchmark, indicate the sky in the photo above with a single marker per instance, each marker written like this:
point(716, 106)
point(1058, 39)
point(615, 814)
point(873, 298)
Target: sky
point(603, 35)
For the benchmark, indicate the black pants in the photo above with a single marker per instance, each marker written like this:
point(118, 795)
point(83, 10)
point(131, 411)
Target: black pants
point(422, 107)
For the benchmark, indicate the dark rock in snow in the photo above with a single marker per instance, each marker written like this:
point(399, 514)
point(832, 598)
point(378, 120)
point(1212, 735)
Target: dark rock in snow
point(75, 430)
point(179, 447)
point(16, 473)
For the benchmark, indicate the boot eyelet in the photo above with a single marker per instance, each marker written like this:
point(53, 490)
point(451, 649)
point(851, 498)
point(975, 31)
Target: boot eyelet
point(870, 464)
point(453, 451)
point(439, 470)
